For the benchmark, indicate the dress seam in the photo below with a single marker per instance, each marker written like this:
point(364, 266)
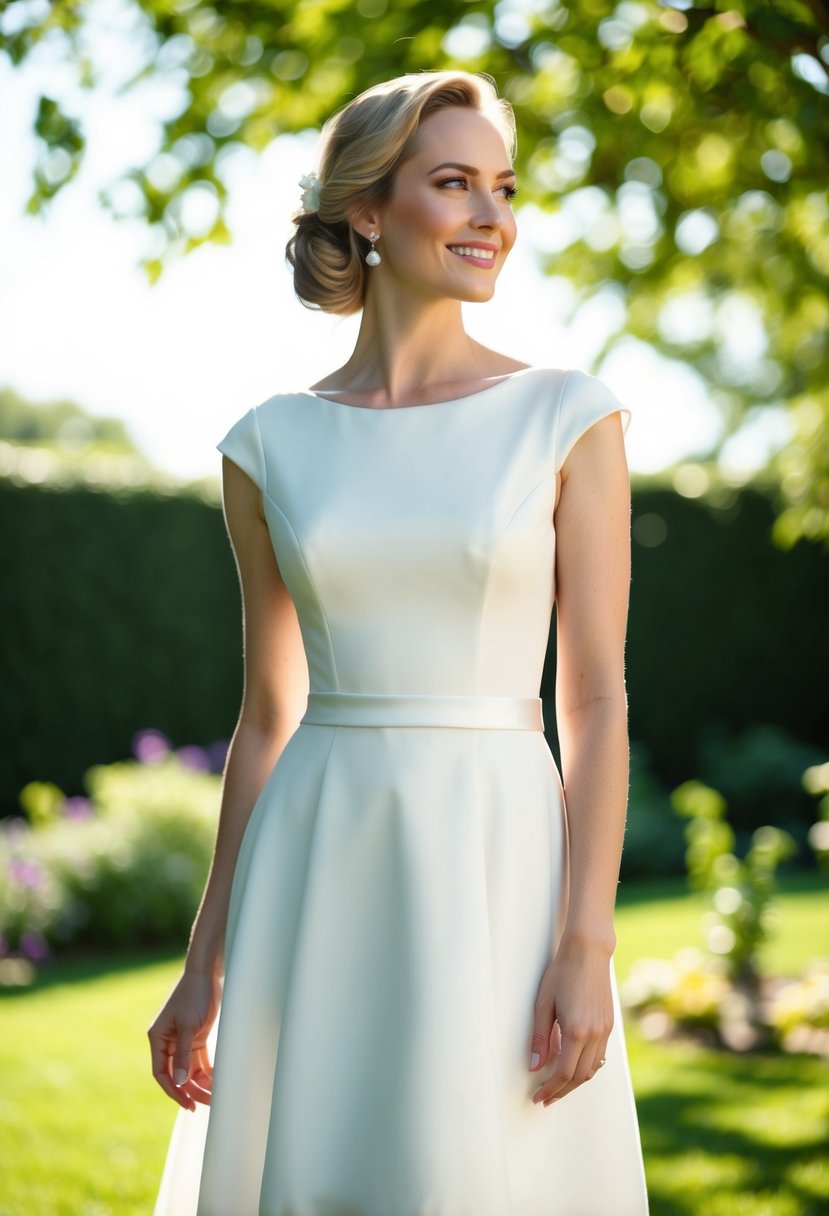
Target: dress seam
point(311, 583)
point(493, 566)
point(261, 445)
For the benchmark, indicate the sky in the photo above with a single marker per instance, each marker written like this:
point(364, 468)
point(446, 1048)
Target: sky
point(180, 360)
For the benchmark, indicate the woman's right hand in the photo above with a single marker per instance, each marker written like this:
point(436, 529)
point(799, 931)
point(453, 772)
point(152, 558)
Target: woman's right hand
point(178, 1039)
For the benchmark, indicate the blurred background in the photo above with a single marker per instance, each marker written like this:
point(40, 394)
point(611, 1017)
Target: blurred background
point(674, 240)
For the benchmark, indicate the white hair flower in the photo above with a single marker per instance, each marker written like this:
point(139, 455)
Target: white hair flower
point(311, 186)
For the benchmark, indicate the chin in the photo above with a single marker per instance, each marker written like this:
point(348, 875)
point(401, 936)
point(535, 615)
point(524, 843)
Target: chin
point(479, 297)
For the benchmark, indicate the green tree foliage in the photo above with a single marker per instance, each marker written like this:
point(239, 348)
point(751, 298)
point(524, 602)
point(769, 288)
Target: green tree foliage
point(61, 424)
point(58, 441)
point(677, 151)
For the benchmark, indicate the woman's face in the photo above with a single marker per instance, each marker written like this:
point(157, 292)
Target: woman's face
point(448, 227)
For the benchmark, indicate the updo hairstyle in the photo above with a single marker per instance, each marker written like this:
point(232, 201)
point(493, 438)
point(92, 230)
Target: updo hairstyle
point(363, 144)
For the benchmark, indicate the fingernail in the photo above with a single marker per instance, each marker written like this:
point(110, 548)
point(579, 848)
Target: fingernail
point(534, 1058)
point(180, 1076)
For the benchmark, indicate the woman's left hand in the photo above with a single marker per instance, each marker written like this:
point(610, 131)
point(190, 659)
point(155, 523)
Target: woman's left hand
point(573, 1018)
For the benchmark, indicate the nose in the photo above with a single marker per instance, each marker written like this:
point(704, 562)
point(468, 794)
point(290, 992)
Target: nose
point(487, 213)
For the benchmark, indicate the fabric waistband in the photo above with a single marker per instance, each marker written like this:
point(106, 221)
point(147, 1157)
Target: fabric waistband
point(403, 709)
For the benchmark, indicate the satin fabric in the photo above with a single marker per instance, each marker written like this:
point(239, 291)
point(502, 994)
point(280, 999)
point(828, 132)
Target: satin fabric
point(400, 885)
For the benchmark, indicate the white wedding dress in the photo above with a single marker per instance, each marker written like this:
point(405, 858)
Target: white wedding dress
point(399, 887)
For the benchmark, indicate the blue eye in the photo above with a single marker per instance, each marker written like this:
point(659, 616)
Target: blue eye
point(509, 191)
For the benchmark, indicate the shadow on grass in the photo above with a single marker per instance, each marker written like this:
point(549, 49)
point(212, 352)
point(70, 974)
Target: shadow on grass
point(81, 968)
point(721, 1128)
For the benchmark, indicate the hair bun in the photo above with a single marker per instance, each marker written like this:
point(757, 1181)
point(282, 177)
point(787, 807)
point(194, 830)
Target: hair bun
point(327, 275)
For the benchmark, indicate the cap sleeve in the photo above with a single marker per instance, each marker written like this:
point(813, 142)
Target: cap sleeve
point(584, 400)
point(243, 445)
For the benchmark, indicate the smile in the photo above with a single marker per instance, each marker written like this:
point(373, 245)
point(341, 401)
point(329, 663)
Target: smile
point(474, 252)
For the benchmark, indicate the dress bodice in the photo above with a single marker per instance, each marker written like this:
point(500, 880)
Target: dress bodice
point(418, 542)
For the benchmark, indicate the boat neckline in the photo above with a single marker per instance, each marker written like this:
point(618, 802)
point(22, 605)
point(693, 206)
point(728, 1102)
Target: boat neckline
point(392, 409)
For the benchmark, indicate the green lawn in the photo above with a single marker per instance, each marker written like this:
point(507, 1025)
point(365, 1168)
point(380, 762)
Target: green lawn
point(83, 1129)
point(658, 917)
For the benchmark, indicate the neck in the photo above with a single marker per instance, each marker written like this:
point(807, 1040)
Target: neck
point(405, 345)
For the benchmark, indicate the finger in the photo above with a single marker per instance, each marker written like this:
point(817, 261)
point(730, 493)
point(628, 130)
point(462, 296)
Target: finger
point(197, 1088)
point(161, 1051)
point(162, 1076)
point(200, 1063)
point(543, 1021)
point(181, 1056)
point(583, 1072)
point(586, 1070)
point(200, 1060)
point(600, 1059)
point(562, 1073)
point(200, 1083)
point(571, 1070)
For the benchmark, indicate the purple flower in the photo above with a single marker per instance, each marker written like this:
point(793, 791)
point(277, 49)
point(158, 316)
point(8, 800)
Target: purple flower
point(26, 873)
point(77, 808)
point(195, 758)
point(33, 945)
point(150, 746)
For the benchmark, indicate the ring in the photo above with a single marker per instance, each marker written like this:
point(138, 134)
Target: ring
point(602, 1061)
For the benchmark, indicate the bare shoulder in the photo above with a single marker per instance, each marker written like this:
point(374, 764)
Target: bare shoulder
point(331, 381)
point(596, 467)
point(241, 497)
point(601, 443)
point(495, 363)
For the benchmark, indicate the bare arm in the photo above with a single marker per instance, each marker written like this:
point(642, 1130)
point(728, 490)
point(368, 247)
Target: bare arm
point(593, 584)
point(592, 593)
point(273, 701)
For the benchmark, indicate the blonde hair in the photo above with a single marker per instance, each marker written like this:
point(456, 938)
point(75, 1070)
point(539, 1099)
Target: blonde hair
point(363, 144)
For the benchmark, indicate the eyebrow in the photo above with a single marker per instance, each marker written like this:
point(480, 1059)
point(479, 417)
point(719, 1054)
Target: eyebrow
point(453, 164)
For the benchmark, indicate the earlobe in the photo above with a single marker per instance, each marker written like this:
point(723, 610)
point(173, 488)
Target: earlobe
point(366, 222)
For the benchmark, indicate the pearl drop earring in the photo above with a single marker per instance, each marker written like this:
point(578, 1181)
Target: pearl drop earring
point(373, 257)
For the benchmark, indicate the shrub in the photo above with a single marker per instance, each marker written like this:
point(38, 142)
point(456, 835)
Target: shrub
point(687, 991)
point(720, 994)
point(741, 890)
point(799, 1010)
point(125, 867)
point(759, 772)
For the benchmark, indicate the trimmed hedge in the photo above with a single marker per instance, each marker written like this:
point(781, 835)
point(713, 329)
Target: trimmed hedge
point(118, 611)
point(726, 631)
point(121, 611)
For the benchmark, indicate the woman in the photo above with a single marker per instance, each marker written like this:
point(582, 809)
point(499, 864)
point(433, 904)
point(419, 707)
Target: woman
point(419, 1013)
